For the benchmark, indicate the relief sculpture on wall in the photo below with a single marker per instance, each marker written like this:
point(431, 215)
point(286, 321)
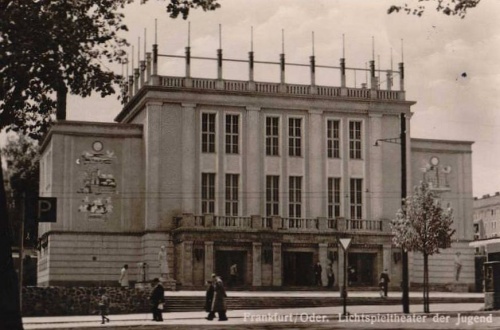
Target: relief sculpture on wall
point(97, 182)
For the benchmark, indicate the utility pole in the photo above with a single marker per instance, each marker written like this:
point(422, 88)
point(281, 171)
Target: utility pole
point(405, 284)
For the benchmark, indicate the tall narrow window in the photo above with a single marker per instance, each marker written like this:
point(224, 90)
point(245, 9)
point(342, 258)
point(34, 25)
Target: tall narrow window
point(272, 136)
point(208, 132)
point(232, 134)
point(208, 193)
point(355, 140)
point(356, 195)
point(295, 197)
point(333, 198)
point(232, 195)
point(333, 138)
point(272, 195)
point(294, 136)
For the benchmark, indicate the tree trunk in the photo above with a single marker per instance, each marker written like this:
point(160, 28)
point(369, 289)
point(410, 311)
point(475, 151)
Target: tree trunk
point(426, 283)
point(10, 311)
point(62, 92)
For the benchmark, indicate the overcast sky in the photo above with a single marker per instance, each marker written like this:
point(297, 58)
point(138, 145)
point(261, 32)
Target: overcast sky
point(437, 50)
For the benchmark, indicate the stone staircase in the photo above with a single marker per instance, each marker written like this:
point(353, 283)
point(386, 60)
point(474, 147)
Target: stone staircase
point(197, 303)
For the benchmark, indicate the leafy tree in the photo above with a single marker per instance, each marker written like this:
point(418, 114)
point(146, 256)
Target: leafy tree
point(182, 7)
point(423, 225)
point(47, 49)
point(448, 7)
point(52, 47)
point(21, 156)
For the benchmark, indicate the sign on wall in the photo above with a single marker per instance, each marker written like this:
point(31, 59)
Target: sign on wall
point(47, 209)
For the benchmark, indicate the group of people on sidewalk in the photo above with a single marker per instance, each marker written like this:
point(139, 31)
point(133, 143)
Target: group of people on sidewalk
point(383, 279)
point(215, 298)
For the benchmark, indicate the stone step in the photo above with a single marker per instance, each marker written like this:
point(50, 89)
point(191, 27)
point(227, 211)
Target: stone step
point(197, 303)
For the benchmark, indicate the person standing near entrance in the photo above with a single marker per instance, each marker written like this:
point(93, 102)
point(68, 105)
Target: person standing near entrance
point(124, 277)
point(331, 276)
point(233, 272)
point(384, 283)
point(318, 270)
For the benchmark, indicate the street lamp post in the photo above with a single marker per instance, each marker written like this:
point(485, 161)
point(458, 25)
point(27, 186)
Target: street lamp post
point(345, 242)
point(402, 142)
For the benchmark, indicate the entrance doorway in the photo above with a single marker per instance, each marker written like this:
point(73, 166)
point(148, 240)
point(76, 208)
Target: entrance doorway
point(223, 262)
point(298, 268)
point(361, 269)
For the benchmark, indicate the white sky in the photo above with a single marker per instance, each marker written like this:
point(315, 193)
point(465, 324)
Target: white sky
point(437, 50)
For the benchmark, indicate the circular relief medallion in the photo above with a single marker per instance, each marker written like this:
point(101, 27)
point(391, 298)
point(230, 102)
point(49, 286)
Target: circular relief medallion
point(97, 146)
point(434, 161)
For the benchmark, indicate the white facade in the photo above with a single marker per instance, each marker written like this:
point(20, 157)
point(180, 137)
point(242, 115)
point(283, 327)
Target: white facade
point(265, 175)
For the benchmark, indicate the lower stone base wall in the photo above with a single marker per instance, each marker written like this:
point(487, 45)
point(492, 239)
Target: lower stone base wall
point(58, 301)
point(442, 266)
point(444, 287)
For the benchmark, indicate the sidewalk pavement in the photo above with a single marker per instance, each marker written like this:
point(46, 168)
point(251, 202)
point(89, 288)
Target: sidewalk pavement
point(252, 318)
point(366, 294)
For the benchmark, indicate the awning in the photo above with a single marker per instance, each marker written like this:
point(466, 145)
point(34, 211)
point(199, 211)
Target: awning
point(485, 242)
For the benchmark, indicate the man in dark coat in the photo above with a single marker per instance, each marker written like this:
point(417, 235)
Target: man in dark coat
point(384, 283)
point(317, 273)
point(219, 299)
point(209, 297)
point(157, 299)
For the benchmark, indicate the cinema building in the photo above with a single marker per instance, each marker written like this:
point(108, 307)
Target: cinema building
point(264, 175)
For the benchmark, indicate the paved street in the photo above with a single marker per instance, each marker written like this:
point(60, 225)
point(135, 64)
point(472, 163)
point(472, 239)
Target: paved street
point(361, 317)
point(443, 316)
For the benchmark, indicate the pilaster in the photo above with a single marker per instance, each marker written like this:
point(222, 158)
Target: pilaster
point(252, 143)
point(374, 173)
point(323, 260)
point(314, 163)
point(209, 260)
point(277, 280)
point(152, 133)
point(257, 264)
point(341, 270)
point(187, 263)
point(188, 157)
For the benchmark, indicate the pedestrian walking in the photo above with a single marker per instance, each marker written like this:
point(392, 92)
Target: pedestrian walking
point(157, 300)
point(317, 274)
point(384, 283)
point(219, 300)
point(458, 266)
point(104, 306)
point(209, 298)
point(331, 276)
point(123, 280)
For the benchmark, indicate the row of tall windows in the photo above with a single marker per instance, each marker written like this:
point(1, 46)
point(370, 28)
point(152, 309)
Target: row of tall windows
point(272, 140)
point(273, 197)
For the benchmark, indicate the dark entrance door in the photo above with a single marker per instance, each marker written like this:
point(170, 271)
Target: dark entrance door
point(223, 262)
point(298, 268)
point(364, 269)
